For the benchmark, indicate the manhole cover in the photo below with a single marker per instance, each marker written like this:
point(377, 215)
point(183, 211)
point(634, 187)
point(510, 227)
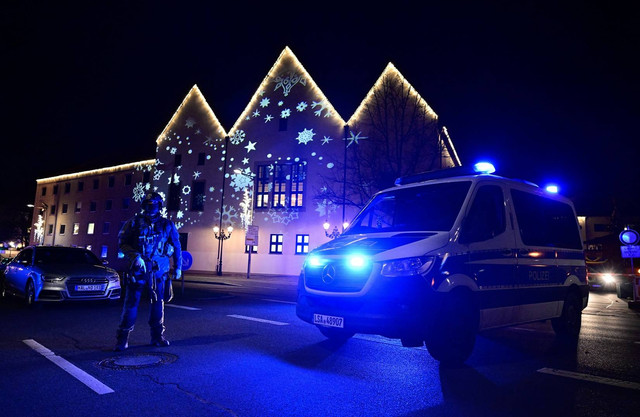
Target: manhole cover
point(137, 360)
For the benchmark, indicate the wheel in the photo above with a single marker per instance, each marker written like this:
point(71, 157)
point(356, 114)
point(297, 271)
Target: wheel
point(337, 335)
point(567, 326)
point(452, 333)
point(30, 294)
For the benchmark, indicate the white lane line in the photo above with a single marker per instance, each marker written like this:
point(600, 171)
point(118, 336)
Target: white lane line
point(97, 386)
point(182, 307)
point(277, 323)
point(278, 301)
point(591, 378)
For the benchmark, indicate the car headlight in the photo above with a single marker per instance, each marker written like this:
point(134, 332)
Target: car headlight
point(52, 278)
point(407, 266)
point(608, 278)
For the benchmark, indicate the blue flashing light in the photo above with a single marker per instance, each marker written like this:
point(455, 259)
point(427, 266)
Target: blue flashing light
point(552, 188)
point(484, 168)
point(356, 261)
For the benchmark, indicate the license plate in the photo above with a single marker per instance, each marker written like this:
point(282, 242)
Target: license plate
point(88, 287)
point(328, 321)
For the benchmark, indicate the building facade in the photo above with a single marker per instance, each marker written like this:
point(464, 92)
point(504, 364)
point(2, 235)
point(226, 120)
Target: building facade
point(272, 170)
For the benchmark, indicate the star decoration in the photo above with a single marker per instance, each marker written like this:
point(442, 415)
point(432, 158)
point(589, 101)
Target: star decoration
point(251, 146)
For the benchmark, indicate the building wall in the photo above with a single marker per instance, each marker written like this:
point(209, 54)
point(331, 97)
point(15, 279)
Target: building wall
point(209, 177)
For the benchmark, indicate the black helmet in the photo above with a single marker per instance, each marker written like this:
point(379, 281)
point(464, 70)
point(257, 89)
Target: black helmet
point(151, 199)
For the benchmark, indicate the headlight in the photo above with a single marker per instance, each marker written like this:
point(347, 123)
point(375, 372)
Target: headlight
point(52, 278)
point(608, 278)
point(407, 266)
point(113, 278)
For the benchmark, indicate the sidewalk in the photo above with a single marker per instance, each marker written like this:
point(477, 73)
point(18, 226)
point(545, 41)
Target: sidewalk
point(235, 278)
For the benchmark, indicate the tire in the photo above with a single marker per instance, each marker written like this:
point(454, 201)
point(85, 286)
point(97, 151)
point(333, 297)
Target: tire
point(29, 294)
point(451, 335)
point(567, 326)
point(336, 335)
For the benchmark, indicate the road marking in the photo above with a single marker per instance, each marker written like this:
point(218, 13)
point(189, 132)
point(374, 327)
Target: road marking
point(73, 370)
point(277, 323)
point(182, 307)
point(278, 301)
point(591, 378)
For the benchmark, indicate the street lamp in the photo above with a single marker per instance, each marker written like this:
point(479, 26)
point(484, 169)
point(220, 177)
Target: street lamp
point(221, 235)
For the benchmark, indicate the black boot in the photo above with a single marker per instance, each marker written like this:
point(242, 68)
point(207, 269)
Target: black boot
point(157, 338)
point(122, 342)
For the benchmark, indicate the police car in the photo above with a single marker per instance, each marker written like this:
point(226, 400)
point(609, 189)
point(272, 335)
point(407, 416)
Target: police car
point(444, 255)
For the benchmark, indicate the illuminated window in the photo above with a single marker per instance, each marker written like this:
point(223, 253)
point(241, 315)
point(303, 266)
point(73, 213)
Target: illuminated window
point(275, 245)
point(302, 244)
point(63, 228)
point(103, 252)
point(282, 184)
point(76, 228)
point(90, 228)
point(254, 249)
point(262, 186)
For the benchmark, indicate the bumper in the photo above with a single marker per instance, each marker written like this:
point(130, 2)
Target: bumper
point(394, 308)
point(62, 292)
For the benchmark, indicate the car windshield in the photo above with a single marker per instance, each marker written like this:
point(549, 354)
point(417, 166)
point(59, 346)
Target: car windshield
point(423, 208)
point(55, 255)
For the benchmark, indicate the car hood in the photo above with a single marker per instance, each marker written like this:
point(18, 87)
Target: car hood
point(385, 244)
point(77, 270)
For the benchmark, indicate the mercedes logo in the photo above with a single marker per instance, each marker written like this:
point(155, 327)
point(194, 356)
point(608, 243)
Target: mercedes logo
point(328, 274)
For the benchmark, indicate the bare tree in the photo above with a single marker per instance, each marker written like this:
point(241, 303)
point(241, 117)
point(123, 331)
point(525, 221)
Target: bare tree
point(396, 134)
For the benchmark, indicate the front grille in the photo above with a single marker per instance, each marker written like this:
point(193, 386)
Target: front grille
point(73, 283)
point(345, 278)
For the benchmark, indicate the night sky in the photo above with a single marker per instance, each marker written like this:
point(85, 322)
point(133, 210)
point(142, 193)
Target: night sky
point(547, 92)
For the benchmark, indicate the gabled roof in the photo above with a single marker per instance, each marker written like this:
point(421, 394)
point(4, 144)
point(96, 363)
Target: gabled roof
point(197, 98)
point(390, 71)
point(282, 64)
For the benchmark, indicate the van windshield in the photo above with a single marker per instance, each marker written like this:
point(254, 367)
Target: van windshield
point(424, 208)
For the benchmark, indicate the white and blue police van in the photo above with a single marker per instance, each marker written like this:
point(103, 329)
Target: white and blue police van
point(444, 255)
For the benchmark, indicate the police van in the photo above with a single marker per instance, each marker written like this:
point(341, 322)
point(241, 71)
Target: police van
point(446, 254)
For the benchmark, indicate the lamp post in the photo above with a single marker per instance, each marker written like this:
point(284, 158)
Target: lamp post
point(219, 227)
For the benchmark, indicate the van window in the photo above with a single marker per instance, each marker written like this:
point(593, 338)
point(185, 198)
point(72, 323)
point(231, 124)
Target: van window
point(486, 218)
point(424, 208)
point(545, 222)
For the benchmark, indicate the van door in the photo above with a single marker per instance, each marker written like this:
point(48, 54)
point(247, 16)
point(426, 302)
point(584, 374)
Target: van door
point(489, 241)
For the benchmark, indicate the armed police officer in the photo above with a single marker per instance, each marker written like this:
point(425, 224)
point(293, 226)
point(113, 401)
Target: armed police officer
point(148, 241)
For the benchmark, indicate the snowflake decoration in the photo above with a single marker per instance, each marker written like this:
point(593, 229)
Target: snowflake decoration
point(305, 136)
point(157, 174)
point(238, 137)
point(173, 150)
point(245, 161)
point(190, 122)
point(240, 181)
point(229, 214)
point(176, 179)
point(186, 190)
point(323, 106)
point(287, 82)
point(264, 102)
point(196, 175)
point(325, 208)
point(138, 192)
point(256, 113)
point(180, 214)
point(284, 216)
point(285, 113)
point(326, 140)
point(302, 106)
point(268, 118)
point(354, 139)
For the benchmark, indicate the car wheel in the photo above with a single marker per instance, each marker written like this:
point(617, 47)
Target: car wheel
point(336, 335)
point(30, 294)
point(452, 333)
point(567, 326)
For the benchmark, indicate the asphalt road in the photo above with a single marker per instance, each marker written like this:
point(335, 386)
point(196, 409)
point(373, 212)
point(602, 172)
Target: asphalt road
point(239, 350)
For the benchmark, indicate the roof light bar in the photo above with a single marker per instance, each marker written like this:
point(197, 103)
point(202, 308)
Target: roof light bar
point(479, 168)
